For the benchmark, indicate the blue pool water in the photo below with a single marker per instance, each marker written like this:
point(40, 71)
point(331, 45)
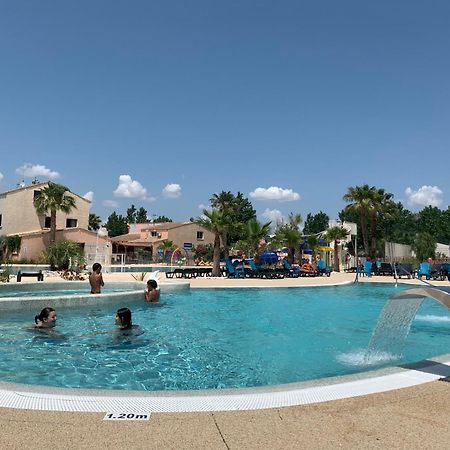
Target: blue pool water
point(215, 338)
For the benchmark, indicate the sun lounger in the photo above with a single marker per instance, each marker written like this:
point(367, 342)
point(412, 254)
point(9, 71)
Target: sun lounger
point(385, 269)
point(403, 270)
point(39, 275)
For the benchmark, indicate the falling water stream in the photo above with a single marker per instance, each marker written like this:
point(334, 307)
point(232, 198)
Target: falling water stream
point(389, 336)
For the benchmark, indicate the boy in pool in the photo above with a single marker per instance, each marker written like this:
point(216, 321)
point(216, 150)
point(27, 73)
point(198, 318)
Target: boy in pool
point(151, 294)
point(96, 279)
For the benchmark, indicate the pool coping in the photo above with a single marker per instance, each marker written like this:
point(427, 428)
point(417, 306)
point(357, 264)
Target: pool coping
point(84, 400)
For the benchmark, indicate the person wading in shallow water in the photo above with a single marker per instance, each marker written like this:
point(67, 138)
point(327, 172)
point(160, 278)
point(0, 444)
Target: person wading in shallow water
point(96, 279)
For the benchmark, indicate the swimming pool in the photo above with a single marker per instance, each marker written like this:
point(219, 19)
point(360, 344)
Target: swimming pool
point(215, 338)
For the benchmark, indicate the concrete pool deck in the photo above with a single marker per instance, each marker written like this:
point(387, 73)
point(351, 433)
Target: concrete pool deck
point(411, 417)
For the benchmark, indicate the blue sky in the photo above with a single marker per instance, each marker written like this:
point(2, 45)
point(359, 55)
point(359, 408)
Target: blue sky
point(161, 104)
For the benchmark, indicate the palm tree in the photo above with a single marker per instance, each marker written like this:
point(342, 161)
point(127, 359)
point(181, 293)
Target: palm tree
point(215, 222)
point(225, 203)
point(255, 232)
point(94, 222)
point(381, 204)
point(166, 246)
point(53, 198)
point(361, 198)
point(336, 234)
point(289, 237)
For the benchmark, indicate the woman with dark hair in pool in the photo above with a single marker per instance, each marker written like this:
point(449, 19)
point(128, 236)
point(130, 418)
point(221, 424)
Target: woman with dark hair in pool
point(45, 323)
point(125, 323)
point(123, 319)
point(46, 318)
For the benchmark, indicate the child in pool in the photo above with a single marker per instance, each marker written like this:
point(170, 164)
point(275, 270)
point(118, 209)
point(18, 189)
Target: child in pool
point(151, 294)
point(96, 279)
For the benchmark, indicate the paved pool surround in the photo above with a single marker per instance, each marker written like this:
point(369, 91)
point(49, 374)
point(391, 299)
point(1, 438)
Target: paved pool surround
point(130, 291)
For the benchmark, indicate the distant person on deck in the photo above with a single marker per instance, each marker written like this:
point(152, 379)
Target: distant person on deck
point(96, 279)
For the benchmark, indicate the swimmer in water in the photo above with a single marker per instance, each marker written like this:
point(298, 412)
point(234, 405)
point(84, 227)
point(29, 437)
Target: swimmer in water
point(125, 323)
point(46, 318)
point(151, 294)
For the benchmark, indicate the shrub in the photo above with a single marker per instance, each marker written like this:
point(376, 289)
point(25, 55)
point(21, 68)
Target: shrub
point(65, 255)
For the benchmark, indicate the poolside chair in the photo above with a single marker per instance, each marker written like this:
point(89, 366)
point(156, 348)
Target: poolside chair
point(366, 269)
point(289, 271)
point(445, 271)
point(385, 269)
point(233, 272)
point(403, 270)
point(252, 271)
point(424, 269)
point(322, 268)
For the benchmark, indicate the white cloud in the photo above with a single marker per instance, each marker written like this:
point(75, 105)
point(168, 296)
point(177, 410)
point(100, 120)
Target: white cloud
point(36, 170)
point(1, 176)
point(275, 193)
point(273, 215)
point(110, 203)
point(202, 206)
point(89, 196)
point(129, 188)
point(172, 190)
point(425, 196)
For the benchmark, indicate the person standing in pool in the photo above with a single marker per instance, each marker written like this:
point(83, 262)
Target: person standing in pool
point(96, 279)
point(151, 294)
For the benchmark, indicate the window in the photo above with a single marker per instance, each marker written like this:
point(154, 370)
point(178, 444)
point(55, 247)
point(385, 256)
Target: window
point(36, 194)
point(0, 220)
point(71, 223)
point(200, 236)
point(47, 222)
point(154, 234)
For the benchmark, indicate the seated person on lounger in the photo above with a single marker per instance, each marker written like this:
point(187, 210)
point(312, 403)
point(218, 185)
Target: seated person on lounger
point(307, 267)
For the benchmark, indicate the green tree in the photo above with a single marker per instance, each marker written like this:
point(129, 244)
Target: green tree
point(162, 219)
point(399, 226)
point(336, 234)
point(116, 225)
point(430, 220)
point(288, 235)
point(215, 222)
point(424, 246)
point(167, 246)
point(131, 214)
point(315, 223)
point(141, 215)
point(360, 198)
point(381, 206)
point(94, 222)
point(255, 232)
point(237, 211)
point(53, 198)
